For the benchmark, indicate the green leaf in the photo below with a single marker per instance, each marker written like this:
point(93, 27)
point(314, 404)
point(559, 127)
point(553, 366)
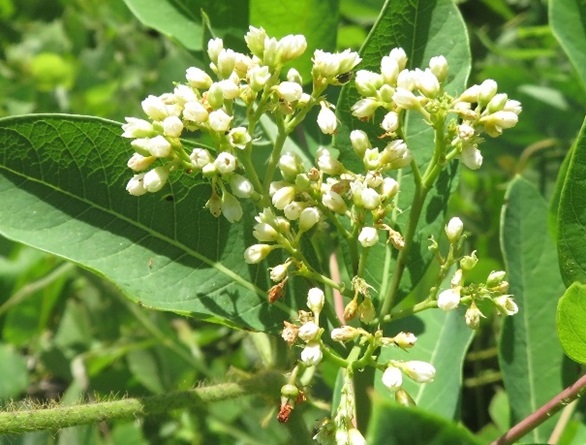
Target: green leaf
point(423, 29)
point(181, 20)
point(568, 23)
point(571, 314)
point(317, 20)
point(398, 425)
point(530, 355)
point(13, 371)
point(572, 215)
point(442, 340)
point(62, 185)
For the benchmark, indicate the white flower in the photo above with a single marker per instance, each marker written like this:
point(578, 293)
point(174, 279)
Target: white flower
point(139, 162)
point(486, 91)
point(308, 331)
point(289, 91)
point(159, 147)
point(497, 103)
point(454, 229)
point(241, 187)
point(449, 299)
point(315, 300)
point(368, 236)
point(334, 202)
point(283, 196)
point(219, 120)
point(256, 253)
point(238, 137)
point(291, 47)
point(293, 210)
point(370, 198)
point(195, 112)
point(348, 60)
point(364, 108)
point(155, 179)
point(135, 186)
point(294, 76)
point(155, 108)
point(225, 63)
point(506, 305)
point(231, 208)
point(311, 355)
point(184, 94)
point(389, 188)
point(471, 157)
point(198, 78)
point(372, 158)
point(405, 99)
point(229, 89)
point(406, 80)
point(255, 40)
point(344, 333)
point(405, 340)
point(465, 132)
point(137, 128)
point(290, 166)
point(172, 126)
point(279, 272)
point(308, 218)
point(265, 232)
point(367, 82)
point(258, 76)
point(326, 119)
point(514, 106)
point(399, 55)
point(225, 163)
point(472, 316)
point(200, 157)
point(359, 141)
point(426, 82)
point(439, 67)
point(418, 371)
point(327, 163)
point(390, 122)
point(325, 64)
point(355, 437)
point(392, 378)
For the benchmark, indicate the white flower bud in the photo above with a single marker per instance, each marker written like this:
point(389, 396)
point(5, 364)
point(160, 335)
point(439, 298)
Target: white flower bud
point(495, 278)
point(279, 272)
point(367, 82)
point(439, 67)
point(315, 300)
point(471, 157)
point(392, 378)
point(138, 162)
point(344, 333)
point(195, 112)
point(241, 187)
point(506, 305)
point(308, 331)
point(311, 355)
point(364, 108)
point(448, 299)
point(158, 146)
point(348, 60)
point(405, 340)
point(405, 99)
point(370, 198)
point(466, 132)
point(135, 186)
point(406, 80)
point(418, 371)
point(219, 121)
point(231, 208)
point(238, 137)
point(457, 280)
point(472, 316)
point(359, 141)
point(373, 179)
point(270, 55)
point(283, 196)
point(265, 232)
point(256, 253)
point(371, 158)
point(229, 89)
point(198, 78)
point(454, 229)
point(389, 69)
point(200, 157)
point(502, 119)
point(399, 55)
point(291, 46)
point(155, 179)
point(293, 210)
point(290, 166)
point(255, 40)
point(137, 128)
point(155, 108)
point(368, 236)
point(514, 106)
point(334, 202)
point(225, 163)
point(389, 188)
point(294, 76)
point(325, 64)
point(215, 96)
point(289, 91)
point(486, 91)
point(184, 94)
point(327, 163)
point(426, 82)
point(225, 63)
point(497, 103)
point(326, 119)
point(172, 127)
point(390, 122)
point(258, 76)
point(308, 218)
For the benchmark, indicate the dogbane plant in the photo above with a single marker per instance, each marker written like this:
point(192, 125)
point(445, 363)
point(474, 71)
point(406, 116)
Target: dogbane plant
point(296, 200)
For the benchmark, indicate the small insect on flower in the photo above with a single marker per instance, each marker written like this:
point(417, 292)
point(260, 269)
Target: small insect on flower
point(345, 77)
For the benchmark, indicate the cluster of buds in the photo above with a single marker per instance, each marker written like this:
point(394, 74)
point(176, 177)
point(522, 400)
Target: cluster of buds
point(494, 289)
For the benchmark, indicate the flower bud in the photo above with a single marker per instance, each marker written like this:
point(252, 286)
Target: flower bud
point(200, 157)
point(315, 300)
point(225, 163)
point(283, 196)
point(225, 63)
point(326, 119)
point(265, 232)
point(289, 391)
point(255, 40)
point(334, 202)
point(215, 96)
point(497, 103)
point(390, 122)
point(427, 83)
point(506, 305)
point(289, 91)
point(294, 76)
point(471, 157)
point(364, 108)
point(155, 108)
point(311, 355)
point(293, 210)
point(448, 299)
point(367, 83)
point(403, 398)
point(137, 128)
point(219, 121)
point(392, 378)
point(138, 162)
point(472, 316)
point(495, 278)
point(389, 70)
point(309, 331)
point(404, 340)
point(256, 253)
point(368, 236)
point(439, 67)
point(389, 188)
point(155, 179)
point(214, 48)
point(371, 158)
point(454, 229)
point(258, 76)
point(279, 272)
point(195, 112)
point(370, 198)
point(198, 78)
point(172, 127)
point(308, 218)
point(399, 55)
point(486, 91)
point(405, 99)
point(359, 141)
point(344, 333)
point(290, 166)
point(135, 186)
point(291, 46)
point(418, 371)
point(229, 89)
point(240, 186)
point(231, 208)
point(468, 262)
point(350, 310)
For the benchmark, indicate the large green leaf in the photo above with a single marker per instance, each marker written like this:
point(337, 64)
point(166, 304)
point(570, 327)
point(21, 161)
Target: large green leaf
point(442, 340)
point(423, 29)
point(572, 216)
point(62, 188)
point(530, 354)
point(181, 20)
point(398, 425)
point(571, 314)
point(317, 20)
point(568, 22)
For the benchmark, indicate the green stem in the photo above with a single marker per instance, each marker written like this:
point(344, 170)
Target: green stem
point(275, 155)
point(18, 422)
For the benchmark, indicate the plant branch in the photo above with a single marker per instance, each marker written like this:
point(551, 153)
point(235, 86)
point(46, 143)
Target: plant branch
point(544, 413)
